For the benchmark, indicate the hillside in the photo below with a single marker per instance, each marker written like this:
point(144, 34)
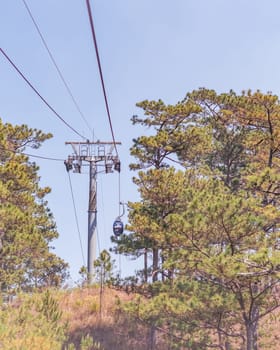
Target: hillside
point(115, 331)
point(70, 320)
point(73, 319)
point(81, 310)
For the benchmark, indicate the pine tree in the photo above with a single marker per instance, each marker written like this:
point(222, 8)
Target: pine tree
point(215, 222)
point(26, 223)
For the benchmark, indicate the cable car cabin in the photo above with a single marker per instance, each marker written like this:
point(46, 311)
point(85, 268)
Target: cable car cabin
point(118, 227)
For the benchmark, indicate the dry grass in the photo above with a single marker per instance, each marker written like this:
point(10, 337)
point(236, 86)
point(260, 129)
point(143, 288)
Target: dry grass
point(106, 325)
point(81, 310)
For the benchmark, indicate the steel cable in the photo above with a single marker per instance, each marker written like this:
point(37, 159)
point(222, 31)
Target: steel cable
point(56, 65)
point(100, 72)
point(38, 94)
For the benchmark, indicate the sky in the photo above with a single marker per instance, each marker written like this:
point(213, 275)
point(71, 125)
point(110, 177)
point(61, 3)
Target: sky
point(149, 49)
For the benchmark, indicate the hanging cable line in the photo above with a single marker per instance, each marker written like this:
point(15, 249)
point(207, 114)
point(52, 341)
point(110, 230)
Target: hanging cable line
point(100, 72)
point(100, 189)
point(71, 189)
point(56, 65)
point(98, 241)
point(42, 157)
point(119, 190)
point(30, 155)
point(38, 94)
point(76, 218)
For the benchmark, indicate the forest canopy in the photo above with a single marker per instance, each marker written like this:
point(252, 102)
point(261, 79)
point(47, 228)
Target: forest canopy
point(208, 218)
point(27, 227)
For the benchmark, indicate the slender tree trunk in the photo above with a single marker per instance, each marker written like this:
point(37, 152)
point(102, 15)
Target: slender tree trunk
point(255, 316)
point(162, 264)
point(251, 320)
point(152, 338)
point(251, 336)
point(101, 294)
point(220, 338)
point(155, 264)
point(146, 266)
point(227, 345)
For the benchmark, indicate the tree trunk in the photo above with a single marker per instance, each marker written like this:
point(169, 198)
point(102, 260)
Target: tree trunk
point(155, 264)
point(162, 264)
point(252, 336)
point(152, 338)
point(227, 345)
point(146, 266)
point(101, 294)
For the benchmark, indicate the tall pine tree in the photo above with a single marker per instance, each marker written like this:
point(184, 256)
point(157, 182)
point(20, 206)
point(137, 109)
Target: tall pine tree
point(26, 224)
point(215, 221)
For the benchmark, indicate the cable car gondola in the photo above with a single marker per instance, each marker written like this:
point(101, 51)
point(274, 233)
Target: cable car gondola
point(118, 227)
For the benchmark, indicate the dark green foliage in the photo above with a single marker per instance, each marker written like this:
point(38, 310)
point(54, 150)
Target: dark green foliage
point(26, 224)
point(213, 226)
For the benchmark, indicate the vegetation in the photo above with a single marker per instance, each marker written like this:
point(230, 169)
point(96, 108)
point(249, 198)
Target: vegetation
point(31, 323)
point(209, 184)
point(207, 226)
point(27, 227)
point(70, 320)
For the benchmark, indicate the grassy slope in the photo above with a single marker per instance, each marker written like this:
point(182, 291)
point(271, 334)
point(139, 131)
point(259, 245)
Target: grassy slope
point(81, 310)
point(24, 326)
point(82, 313)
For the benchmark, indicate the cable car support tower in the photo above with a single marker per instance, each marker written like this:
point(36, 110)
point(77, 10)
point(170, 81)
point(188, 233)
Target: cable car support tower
point(97, 154)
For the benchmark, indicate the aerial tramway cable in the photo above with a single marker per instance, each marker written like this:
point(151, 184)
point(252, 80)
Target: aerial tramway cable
point(71, 189)
point(100, 72)
point(119, 190)
point(76, 219)
point(117, 225)
point(30, 155)
point(56, 65)
point(39, 95)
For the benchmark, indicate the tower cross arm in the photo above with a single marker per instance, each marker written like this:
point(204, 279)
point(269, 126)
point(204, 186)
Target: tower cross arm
point(92, 143)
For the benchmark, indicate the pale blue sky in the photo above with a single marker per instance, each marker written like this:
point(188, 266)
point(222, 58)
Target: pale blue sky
point(149, 49)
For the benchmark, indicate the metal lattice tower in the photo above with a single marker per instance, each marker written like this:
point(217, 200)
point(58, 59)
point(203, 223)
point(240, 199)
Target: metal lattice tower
point(97, 154)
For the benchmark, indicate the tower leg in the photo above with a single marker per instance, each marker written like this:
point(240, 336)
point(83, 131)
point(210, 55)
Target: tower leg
point(92, 221)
